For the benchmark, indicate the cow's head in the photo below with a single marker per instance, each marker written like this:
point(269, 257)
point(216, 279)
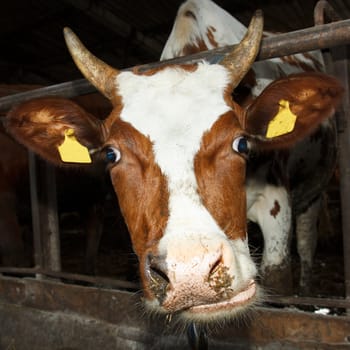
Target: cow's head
point(177, 147)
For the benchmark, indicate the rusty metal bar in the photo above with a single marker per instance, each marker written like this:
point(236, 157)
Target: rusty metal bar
point(320, 37)
point(322, 10)
point(67, 89)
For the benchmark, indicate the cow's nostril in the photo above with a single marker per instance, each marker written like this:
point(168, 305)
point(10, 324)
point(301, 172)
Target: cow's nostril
point(159, 275)
point(158, 278)
point(215, 268)
point(219, 277)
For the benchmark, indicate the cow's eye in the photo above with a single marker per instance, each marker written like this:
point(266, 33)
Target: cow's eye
point(240, 145)
point(113, 155)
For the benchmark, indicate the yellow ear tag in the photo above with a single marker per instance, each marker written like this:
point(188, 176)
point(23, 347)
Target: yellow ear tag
point(72, 151)
point(283, 122)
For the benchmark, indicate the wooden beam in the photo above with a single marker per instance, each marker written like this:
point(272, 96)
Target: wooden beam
point(110, 309)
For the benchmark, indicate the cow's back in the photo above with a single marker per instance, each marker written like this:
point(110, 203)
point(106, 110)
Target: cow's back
point(202, 25)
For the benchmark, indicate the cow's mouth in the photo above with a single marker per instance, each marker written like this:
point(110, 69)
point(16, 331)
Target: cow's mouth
point(241, 299)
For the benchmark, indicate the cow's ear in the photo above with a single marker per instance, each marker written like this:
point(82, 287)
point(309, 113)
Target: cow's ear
point(291, 108)
point(55, 128)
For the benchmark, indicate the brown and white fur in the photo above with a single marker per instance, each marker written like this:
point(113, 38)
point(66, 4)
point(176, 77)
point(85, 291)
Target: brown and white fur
point(275, 192)
point(178, 148)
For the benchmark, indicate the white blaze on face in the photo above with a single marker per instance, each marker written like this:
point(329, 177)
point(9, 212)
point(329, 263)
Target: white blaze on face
point(174, 108)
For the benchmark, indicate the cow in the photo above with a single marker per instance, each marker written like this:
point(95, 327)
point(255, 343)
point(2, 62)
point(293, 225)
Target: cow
point(177, 148)
point(203, 25)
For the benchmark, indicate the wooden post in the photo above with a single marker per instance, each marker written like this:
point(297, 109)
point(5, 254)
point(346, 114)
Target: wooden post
point(44, 212)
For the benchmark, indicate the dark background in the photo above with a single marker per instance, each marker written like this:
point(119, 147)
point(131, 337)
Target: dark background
point(122, 32)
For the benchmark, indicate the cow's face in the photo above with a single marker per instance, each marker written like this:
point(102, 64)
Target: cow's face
point(176, 145)
point(180, 184)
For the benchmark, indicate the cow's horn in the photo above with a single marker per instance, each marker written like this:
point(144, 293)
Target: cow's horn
point(99, 73)
point(241, 58)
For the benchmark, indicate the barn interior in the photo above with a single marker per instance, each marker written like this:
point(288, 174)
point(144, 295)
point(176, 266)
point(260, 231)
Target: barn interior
point(125, 34)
